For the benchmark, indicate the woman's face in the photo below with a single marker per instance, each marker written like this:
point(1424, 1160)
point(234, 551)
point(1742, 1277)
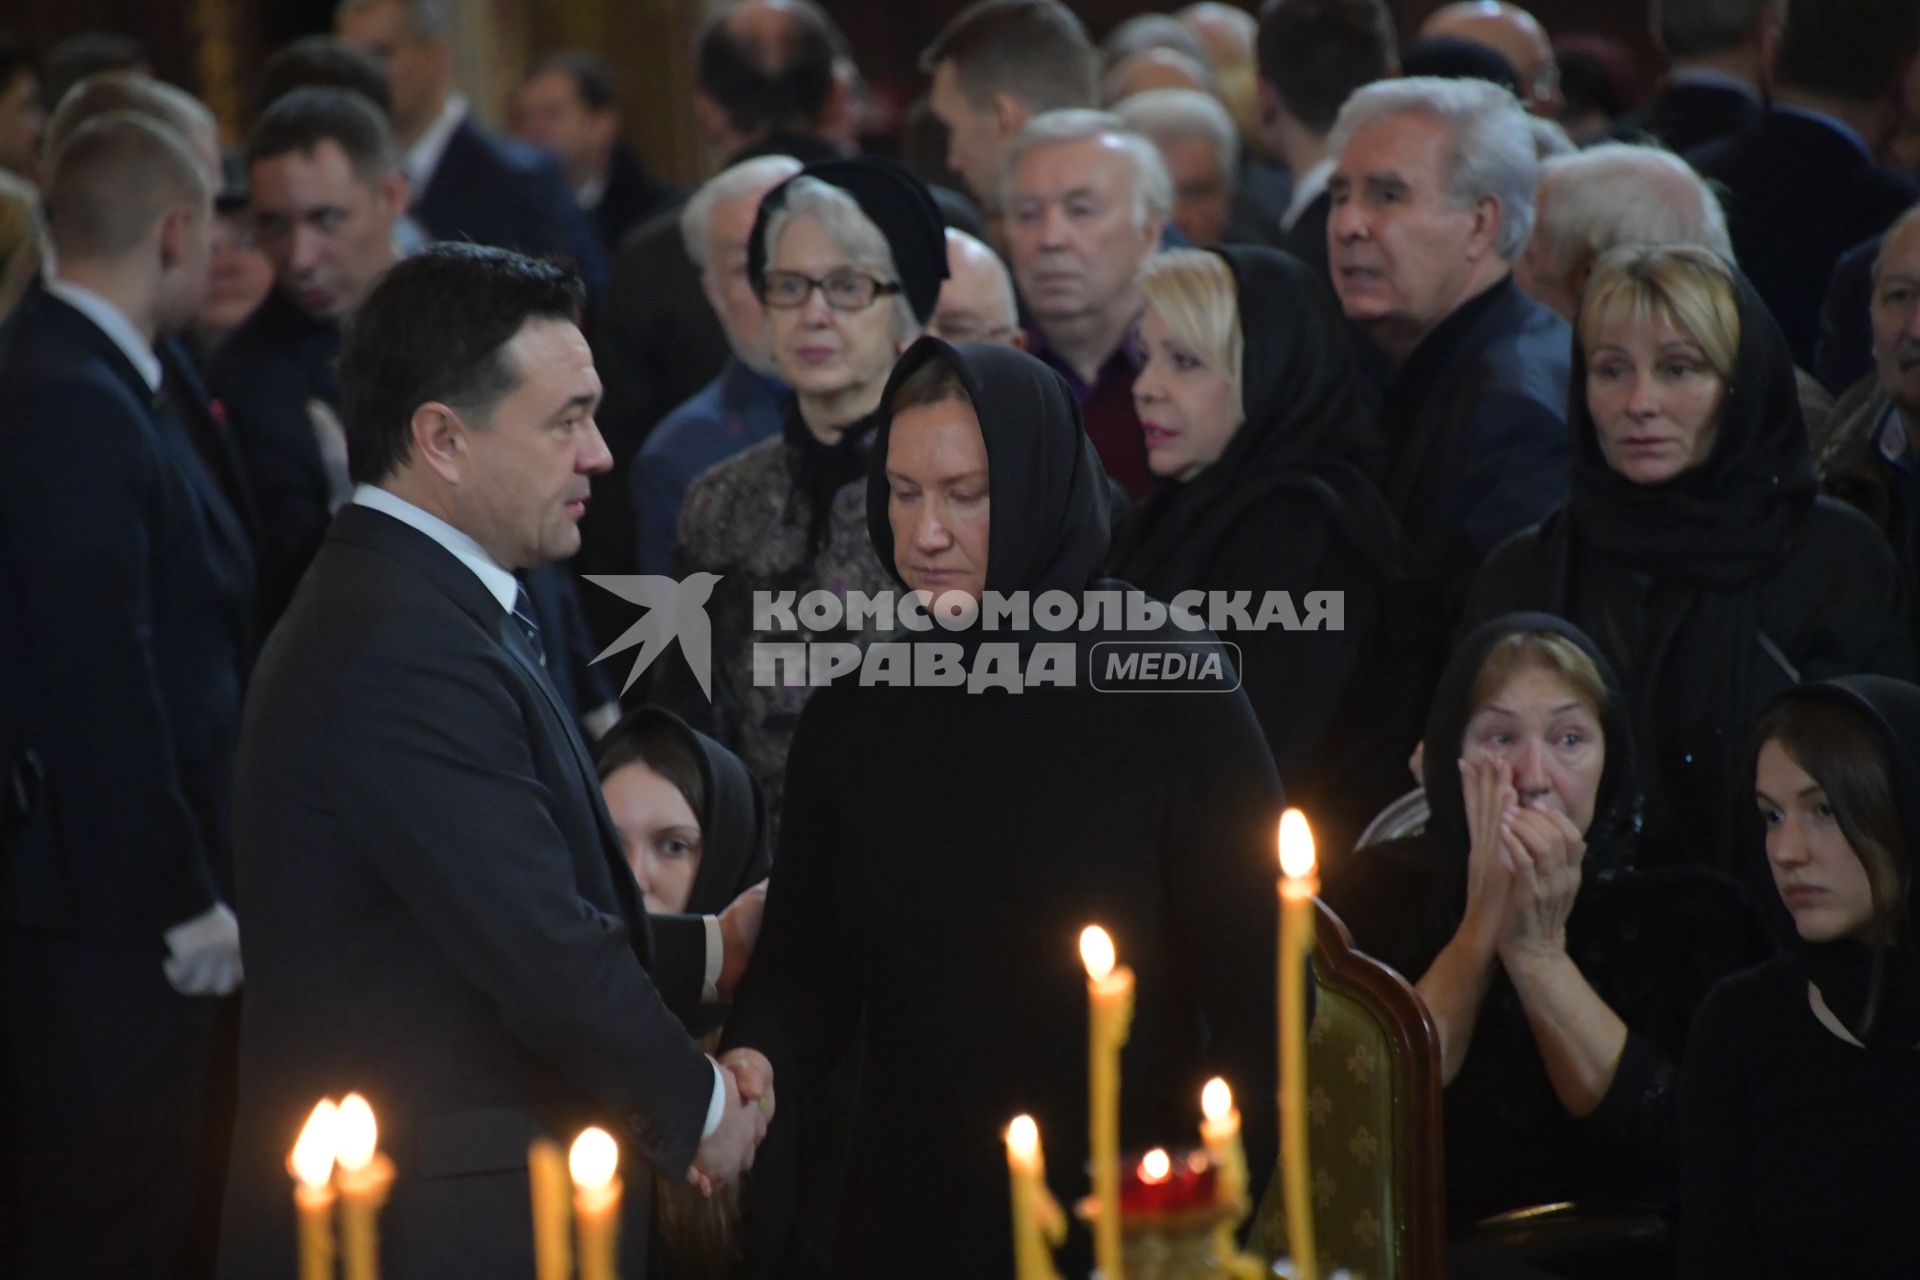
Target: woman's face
point(1550, 737)
point(237, 279)
point(1654, 398)
point(1188, 409)
point(821, 352)
point(660, 832)
point(1819, 876)
point(939, 503)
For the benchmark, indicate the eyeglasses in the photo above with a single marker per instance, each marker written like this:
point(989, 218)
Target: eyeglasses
point(843, 290)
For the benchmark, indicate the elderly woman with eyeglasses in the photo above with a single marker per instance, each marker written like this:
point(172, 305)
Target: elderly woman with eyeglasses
point(848, 257)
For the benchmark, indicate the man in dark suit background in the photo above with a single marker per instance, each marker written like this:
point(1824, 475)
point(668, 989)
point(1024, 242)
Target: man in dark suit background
point(445, 919)
point(1717, 53)
point(1803, 187)
point(1313, 55)
point(467, 183)
point(126, 589)
point(567, 107)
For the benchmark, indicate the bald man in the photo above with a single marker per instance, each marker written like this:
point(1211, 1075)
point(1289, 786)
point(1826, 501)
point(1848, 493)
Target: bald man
point(976, 302)
point(1515, 35)
point(128, 605)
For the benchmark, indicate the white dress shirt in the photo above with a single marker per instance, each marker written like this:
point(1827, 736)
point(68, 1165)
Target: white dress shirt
point(423, 157)
point(113, 322)
point(1306, 189)
point(504, 587)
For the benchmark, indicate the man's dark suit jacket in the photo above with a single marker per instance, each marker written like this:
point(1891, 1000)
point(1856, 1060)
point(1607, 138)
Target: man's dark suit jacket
point(1476, 433)
point(1798, 195)
point(1844, 353)
point(493, 190)
point(1307, 240)
point(632, 196)
point(439, 916)
point(1685, 116)
point(264, 375)
point(126, 598)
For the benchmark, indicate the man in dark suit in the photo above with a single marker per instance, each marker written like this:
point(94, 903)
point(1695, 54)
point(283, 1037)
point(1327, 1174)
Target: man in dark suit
point(126, 593)
point(764, 80)
point(1804, 187)
point(467, 182)
point(1313, 55)
point(1717, 54)
point(1474, 416)
point(446, 922)
point(567, 109)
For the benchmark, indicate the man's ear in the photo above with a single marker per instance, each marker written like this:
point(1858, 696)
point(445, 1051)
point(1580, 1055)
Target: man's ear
point(440, 440)
point(1488, 215)
point(1010, 115)
point(395, 193)
point(176, 225)
point(712, 119)
point(1577, 276)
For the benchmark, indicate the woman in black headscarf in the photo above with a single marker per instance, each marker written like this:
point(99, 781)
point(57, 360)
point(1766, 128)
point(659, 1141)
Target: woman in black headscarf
point(1694, 549)
point(847, 256)
point(1561, 977)
point(943, 846)
point(1250, 401)
point(1800, 1102)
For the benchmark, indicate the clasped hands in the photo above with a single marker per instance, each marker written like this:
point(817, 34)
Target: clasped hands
point(1523, 867)
point(728, 1151)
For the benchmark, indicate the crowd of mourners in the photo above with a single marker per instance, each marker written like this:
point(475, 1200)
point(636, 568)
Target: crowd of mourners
point(1597, 411)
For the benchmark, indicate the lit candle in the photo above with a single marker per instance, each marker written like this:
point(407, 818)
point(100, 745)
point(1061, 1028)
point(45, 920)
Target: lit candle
point(311, 1163)
point(1298, 885)
point(552, 1213)
point(1220, 1131)
point(1037, 1220)
point(1110, 997)
point(596, 1201)
point(365, 1177)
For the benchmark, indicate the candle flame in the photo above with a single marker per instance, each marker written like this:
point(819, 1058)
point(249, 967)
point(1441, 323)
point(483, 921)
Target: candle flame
point(1096, 952)
point(1296, 845)
point(1155, 1167)
point(593, 1159)
point(359, 1133)
point(314, 1150)
point(1216, 1100)
point(1023, 1137)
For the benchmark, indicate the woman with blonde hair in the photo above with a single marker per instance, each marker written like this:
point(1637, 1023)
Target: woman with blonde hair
point(1250, 401)
point(1694, 548)
point(21, 247)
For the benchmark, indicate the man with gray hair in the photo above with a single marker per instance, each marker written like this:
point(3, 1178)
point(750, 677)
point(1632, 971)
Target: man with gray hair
point(1612, 194)
point(1432, 200)
point(1086, 200)
point(746, 401)
point(976, 303)
point(1201, 150)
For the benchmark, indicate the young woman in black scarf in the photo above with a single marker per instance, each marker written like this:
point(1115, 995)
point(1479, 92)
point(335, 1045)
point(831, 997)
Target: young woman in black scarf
point(848, 256)
point(1694, 550)
point(943, 848)
point(1561, 976)
point(1251, 405)
point(1800, 1102)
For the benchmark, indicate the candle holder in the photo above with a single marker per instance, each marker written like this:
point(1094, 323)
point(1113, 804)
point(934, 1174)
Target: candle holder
point(1174, 1209)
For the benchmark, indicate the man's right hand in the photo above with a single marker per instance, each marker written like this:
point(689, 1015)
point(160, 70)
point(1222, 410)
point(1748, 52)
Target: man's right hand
point(728, 1151)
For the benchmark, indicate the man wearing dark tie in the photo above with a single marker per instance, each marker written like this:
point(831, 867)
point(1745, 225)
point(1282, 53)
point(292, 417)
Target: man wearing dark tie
point(440, 913)
point(125, 625)
point(468, 183)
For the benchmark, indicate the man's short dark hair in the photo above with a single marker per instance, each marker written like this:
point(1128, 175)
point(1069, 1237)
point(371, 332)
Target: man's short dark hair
point(1315, 53)
point(1035, 50)
point(435, 328)
point(592, 79)
point(305, 118)
point(1696, 28)
point(325, 62)
point(770, 85)
point(1853, 50)
point(88, 54)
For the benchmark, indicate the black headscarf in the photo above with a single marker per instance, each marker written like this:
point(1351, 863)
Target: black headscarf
point(1047, 489)
point(1306, 435)
point(1733, 517)
point(900, 205)
point(1842, 969)
point(735, 843)
point(1609, 834)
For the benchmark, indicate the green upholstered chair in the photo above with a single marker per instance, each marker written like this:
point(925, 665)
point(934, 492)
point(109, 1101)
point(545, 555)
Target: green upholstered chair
point(1374, 1115)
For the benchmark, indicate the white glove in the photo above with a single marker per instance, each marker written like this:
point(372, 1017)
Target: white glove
point(205, 953)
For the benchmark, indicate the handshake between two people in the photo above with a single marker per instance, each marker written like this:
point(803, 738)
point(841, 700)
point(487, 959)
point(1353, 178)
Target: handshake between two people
point(728, 1151)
